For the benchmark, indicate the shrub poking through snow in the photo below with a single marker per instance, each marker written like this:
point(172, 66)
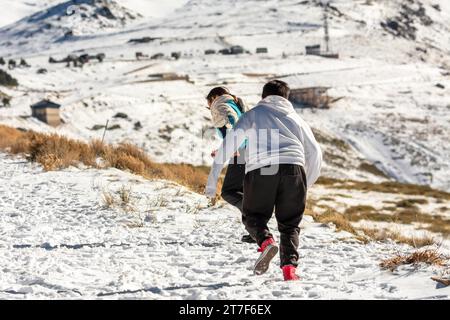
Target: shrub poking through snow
point(125, 196)
point(410, 203)
point(383, 235)
point(108, 198)
point(429, 256)
point(7, 80)
point(123, 200)
point(339, 220)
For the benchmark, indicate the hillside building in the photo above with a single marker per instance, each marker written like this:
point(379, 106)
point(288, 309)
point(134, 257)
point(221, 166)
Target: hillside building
point(47, 111)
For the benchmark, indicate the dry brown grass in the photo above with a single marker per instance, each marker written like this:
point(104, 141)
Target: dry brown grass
point(56, 152)
point(160, 202)
point(125, 195)
point(385, 187)
point(359, 210)
point(9, 136)
point(343, 222)
point(108, 198)
point(408, 213)
point(122, 199)
point(410, 203)
point(339, 220)
point(383, 235)
point(324, 138)
point(371, 168)
point(429, 256)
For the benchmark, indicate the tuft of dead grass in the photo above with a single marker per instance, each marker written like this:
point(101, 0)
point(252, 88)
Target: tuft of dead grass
point(108, 198)
point(339, 220)
point(9, 136)
point(160, 202)
point(125, 195)
point(371, 168)
point(122, 198)
point(326, 139)
point(359, 210)
point(410, 203)
point(383, 235)
point(429, 256)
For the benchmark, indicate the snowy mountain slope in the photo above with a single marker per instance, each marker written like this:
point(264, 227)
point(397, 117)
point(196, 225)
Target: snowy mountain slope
point(153, 9)
point(58, 240)
point(173, 127)
point(69, 19)
point(394, 90)
point(19, 9)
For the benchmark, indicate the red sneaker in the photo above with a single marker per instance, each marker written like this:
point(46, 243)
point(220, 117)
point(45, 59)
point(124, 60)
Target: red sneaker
point(268, 251)
point(289, 273)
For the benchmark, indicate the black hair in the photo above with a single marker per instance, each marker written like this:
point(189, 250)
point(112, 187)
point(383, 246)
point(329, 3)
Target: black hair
point(217, 92)
point(276, 88)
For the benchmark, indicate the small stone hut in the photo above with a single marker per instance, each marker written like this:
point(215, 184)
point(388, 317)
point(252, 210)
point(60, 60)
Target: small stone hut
point(313, 50)
point(47, 111)
point(313, 97)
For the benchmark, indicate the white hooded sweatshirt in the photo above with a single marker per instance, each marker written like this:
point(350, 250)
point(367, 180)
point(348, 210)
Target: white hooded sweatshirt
point(275, 134)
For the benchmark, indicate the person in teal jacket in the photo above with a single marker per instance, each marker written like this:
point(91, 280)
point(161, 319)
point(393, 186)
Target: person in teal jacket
point(226, 109)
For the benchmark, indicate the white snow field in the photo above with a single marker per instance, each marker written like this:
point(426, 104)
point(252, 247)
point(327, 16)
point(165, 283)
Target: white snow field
point(57, 240)
point(390, 121)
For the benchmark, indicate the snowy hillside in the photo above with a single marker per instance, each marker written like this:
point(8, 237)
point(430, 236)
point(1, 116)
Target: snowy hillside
point(389, 122)
point(170, 246)
point(19, 9)
point(393, 90)
point(68, 20)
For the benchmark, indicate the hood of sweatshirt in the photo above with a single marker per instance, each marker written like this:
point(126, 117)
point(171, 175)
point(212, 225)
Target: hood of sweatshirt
point(222, 99)
point(277, 105)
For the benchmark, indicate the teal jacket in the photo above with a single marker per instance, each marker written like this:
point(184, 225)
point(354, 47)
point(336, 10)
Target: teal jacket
point(223, 130)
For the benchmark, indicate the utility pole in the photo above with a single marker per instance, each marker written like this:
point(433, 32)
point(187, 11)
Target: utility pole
point(104, 131)
point(325, 25)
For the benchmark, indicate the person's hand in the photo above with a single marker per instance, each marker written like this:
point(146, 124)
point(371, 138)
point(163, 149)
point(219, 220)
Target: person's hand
point(213, 153)
point(211, 195)
point(212, 202)
point(210, 192)
point(237, 154)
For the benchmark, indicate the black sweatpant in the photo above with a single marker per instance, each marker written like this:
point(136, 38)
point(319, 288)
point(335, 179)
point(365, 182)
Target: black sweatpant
point(233, 184)
point(286, 191)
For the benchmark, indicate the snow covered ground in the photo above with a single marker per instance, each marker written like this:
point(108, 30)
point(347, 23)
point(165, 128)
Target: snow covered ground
point(59, 241)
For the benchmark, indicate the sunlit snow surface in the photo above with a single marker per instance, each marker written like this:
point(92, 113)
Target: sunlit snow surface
point(57, 239)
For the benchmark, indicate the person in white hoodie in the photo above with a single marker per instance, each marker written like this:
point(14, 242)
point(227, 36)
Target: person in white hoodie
point(283, 159)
